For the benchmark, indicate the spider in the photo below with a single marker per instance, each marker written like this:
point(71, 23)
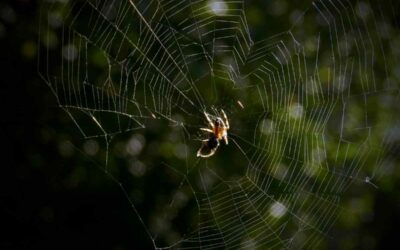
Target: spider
point(219, 130)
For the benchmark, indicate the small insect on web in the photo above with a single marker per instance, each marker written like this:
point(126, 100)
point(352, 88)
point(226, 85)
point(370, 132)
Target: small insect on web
point(219, 131)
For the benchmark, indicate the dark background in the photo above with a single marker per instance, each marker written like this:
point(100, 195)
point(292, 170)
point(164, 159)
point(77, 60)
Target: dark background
point(42, 206)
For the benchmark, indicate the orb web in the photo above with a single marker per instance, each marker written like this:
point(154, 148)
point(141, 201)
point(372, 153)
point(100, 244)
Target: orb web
point(312, 111)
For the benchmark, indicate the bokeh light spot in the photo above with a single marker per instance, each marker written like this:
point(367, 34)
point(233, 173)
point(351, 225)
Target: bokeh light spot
point(219, 8)
point(277, 210)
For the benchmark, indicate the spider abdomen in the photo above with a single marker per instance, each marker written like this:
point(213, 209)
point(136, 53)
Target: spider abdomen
point(212, 142)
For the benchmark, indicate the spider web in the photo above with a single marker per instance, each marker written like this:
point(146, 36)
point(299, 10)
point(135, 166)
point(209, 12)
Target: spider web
point(312, 111)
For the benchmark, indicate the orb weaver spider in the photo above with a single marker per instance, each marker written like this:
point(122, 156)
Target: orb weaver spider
point(218, 128)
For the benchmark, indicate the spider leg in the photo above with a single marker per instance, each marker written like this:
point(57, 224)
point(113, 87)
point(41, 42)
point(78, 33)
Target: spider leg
point(226, 119)
point(226, 140)
point(212, 151)
point(209, 120)
point(207, 130)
